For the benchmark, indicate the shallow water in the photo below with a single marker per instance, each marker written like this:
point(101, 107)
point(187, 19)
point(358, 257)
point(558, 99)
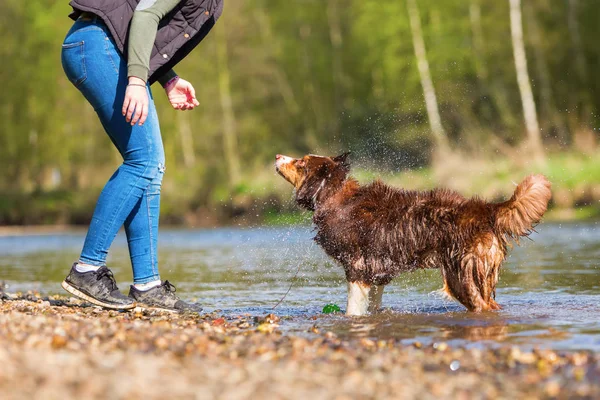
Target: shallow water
point(549, 287)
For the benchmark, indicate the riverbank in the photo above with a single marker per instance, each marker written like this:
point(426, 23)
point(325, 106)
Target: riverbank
point(58, 347)
point(265, 198)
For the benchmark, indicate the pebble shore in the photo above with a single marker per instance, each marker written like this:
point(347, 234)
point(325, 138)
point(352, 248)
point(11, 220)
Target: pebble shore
point(60, 348)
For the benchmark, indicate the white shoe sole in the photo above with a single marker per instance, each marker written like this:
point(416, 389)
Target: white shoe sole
point(75, 292)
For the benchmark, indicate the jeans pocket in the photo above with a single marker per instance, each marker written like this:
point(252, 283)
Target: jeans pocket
point(73, 62)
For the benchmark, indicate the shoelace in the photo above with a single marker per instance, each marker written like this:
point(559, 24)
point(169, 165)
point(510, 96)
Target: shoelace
point(169, 287)
point(107, 273)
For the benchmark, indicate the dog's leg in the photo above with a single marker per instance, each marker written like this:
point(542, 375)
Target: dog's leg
point(462, 281)
point(358, 298)
point(495, 258)
point(375, 296)
point(491, 281)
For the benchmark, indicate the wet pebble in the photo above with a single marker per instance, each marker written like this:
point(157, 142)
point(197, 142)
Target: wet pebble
point(454, 365)
point(153, 354)
point(440, 346)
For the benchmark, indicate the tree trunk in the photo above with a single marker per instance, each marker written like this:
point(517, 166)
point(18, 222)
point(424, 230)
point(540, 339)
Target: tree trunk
point(269, 45)
point(580, 64)
point(433, 113)
point(187, 140)
point(548, 109)
point(477, 31)
point(493, 96)
point(312, 130)
point(531, 121)
point(584, 138)
point(230, 147)
point(335, 37)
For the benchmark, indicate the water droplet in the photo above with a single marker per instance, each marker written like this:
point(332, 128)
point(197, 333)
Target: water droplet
point(454, 365)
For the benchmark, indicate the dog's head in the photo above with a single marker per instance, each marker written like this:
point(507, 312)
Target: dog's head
point(314, 177)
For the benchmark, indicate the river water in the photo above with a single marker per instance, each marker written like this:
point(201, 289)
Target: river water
point(549, 286)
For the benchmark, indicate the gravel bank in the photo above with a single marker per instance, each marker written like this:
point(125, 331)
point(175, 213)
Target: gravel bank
point(59, 348)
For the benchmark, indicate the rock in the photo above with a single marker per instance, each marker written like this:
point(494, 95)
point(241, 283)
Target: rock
point(267, 327)
point(161, 343)
point(59, 341)
point(159, 355)
point(454, 365)
point(440, 346)
point(552, 388)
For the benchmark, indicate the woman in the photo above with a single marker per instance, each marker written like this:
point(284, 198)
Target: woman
point(113, 53)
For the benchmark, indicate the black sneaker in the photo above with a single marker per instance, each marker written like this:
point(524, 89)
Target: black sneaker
point(163, 298)
point(98, 287)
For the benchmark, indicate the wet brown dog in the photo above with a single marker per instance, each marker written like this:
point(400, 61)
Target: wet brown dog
point(376, 231)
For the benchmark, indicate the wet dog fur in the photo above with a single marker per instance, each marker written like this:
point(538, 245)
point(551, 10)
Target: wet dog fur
point(377, 232)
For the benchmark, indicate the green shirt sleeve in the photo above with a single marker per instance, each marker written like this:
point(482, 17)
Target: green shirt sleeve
point(142, 34)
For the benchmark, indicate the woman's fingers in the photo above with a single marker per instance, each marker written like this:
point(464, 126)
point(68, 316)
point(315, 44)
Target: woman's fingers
point(182, 96)
point(144, 114)
point(130, 110)
point(185, 104)
point(126, 105)
point(135, 106)
point(137, 113)
point(192, 101)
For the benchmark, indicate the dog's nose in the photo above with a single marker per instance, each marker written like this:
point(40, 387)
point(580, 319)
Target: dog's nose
point(278, 156)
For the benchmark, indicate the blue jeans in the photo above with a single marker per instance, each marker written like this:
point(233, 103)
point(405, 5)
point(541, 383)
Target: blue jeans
point(131, 197)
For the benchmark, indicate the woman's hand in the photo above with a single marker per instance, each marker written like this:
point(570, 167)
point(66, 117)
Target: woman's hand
point(181, 94)
point(135, 105)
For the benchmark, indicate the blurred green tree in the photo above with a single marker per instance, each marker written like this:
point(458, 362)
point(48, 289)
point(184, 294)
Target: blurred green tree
point(308, 76)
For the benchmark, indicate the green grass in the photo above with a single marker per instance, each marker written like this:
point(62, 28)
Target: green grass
point(572, 170)
point(287, 218)
point(583, 213)
point(575, 182)
point(575, 179)
point(569, 172)
point(575, 186)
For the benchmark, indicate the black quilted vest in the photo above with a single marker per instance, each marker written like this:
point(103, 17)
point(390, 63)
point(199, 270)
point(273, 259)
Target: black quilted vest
point(178, 33)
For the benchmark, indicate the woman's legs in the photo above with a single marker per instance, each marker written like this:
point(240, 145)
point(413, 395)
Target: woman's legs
point(131, 197)
point(141, 222)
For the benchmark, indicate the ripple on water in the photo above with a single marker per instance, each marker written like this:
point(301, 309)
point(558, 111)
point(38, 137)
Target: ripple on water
point(549, 288)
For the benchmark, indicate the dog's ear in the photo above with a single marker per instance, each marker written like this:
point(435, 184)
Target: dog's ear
point(306, 193)
point(342, 160)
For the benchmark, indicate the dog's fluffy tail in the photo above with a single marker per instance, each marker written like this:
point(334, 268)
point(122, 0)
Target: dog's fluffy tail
point(517, 216)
